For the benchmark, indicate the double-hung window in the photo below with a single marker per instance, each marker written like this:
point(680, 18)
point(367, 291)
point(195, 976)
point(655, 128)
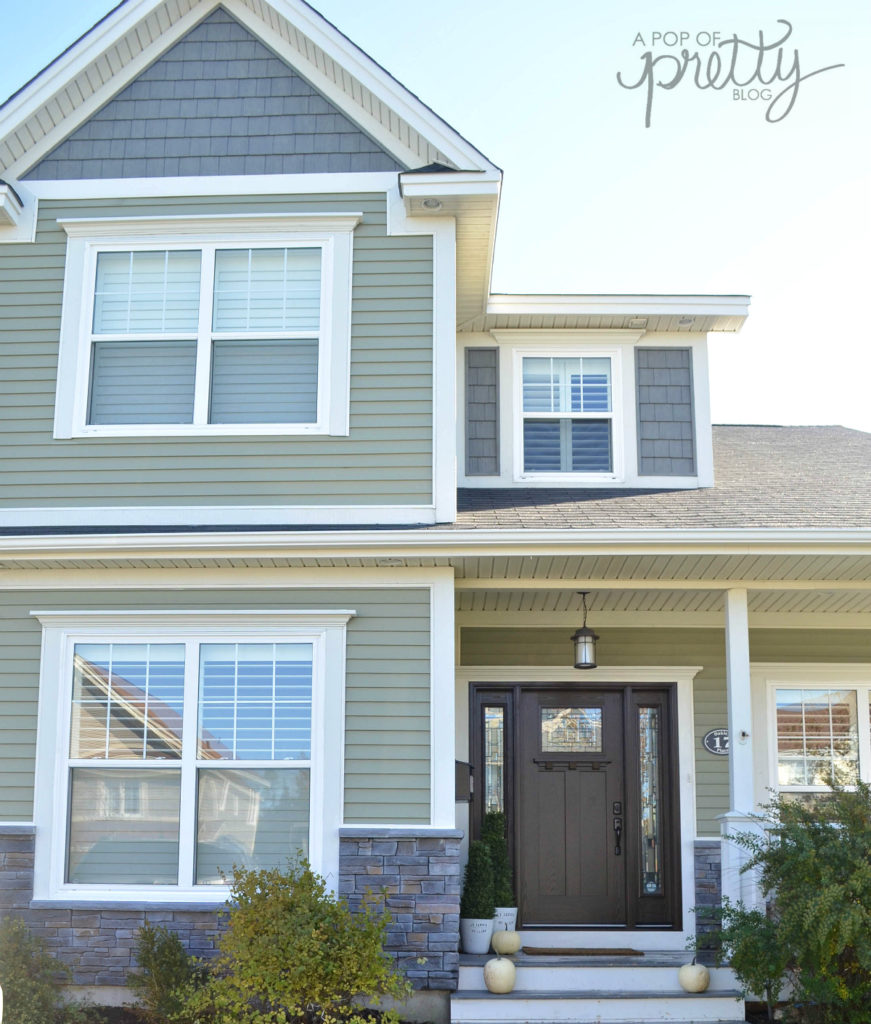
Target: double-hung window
point(566, 414)
point(184, 748)
point(240, 331)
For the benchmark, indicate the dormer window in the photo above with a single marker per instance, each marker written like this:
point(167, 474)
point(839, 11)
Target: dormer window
point(567, 411)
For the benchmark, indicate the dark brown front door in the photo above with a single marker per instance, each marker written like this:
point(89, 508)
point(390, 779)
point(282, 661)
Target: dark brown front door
point(587, 779)
point(571, 811)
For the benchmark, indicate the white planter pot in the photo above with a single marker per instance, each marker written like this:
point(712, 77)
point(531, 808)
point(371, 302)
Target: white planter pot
point(475, 934)
point(505, 919)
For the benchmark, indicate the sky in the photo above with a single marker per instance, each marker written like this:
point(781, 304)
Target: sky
point(728, 190)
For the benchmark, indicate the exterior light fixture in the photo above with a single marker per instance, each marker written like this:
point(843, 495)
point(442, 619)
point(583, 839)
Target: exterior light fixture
point(431, 204)
point(584, 640)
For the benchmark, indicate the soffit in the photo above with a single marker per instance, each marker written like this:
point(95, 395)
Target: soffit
point(108, 57)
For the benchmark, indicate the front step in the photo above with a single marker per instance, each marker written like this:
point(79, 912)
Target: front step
point(577, 989)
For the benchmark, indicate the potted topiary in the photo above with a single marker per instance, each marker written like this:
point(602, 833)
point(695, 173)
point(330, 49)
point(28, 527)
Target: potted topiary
point(476, 903)
point(493, 834)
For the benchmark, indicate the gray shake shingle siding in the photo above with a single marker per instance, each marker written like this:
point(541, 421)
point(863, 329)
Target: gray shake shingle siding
point(482, 412)
point(218, 102)
point(765, 478)
point(664, 382)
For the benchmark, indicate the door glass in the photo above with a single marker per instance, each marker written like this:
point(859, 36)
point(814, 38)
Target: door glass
point(494, 758)
point(648, 746)
point(571, 730)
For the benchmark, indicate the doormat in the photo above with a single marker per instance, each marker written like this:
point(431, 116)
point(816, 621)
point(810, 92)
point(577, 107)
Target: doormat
point(575, 951)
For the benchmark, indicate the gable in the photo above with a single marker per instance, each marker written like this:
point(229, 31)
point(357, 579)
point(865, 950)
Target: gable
point(218, 102)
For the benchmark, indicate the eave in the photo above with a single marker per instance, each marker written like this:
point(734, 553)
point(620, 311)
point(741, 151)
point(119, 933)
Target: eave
point(682, 313)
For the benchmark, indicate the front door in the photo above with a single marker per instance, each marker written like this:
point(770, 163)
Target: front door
point(571, 807)
point(587, 780)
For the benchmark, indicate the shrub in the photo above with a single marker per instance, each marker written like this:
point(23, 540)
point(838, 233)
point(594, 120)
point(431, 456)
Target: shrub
point(166, 972)
point(31, 979)
point(815, 864)
point(750, 942)
point(294, 952)
point(493, 834)
point(477, 899)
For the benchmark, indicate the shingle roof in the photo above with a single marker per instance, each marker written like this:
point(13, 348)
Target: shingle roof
point(766, 477)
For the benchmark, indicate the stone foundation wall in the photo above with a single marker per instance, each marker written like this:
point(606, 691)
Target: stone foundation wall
point(420, 872)
point(95, 941)
point(708, 868)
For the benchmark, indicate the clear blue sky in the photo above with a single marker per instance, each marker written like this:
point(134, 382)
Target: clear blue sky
point(710, 198)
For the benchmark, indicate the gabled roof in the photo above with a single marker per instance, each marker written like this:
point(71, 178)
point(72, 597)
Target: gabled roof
point(133, 35)
point(780, 478)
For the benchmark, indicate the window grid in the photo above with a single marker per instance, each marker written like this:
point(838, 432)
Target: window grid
point(189, 764)
point(206, 334)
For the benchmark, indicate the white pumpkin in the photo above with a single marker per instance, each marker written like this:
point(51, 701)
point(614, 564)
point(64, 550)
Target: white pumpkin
point(505, 943)
point(694, 977)
point(500, 975)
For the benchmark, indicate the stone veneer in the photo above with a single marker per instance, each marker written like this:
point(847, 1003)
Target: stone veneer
point(94, 940)
point(708, 860)
point(420, 873)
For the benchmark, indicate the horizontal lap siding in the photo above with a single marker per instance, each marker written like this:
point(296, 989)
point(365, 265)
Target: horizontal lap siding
point(387, 694)
point(386, 460)
point(706, 647)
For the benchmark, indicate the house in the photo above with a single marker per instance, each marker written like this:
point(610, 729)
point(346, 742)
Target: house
point(295, 514)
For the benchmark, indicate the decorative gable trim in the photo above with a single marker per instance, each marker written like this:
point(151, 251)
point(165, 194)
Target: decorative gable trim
point(133, 36)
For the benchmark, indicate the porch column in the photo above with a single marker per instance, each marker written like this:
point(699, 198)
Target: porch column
point(738, 886)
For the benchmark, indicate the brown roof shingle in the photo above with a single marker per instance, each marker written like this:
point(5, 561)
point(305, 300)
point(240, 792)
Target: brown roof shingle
point(766, 478)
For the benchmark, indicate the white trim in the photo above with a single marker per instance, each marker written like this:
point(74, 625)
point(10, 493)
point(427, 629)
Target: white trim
point(325, 630)
point(332, 234)
point(682, 676)
point(620, 305)
point(738, 702)
point(442, 711)
point(218, 516)
point(215, 185)
point(18, 213)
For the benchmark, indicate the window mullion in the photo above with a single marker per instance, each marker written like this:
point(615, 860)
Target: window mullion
point(204, 337)
point(188, 796)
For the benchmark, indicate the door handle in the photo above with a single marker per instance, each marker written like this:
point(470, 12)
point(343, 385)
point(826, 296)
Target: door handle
point(618, 834)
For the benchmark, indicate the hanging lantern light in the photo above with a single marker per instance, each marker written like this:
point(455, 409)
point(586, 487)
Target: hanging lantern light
point(584, 640)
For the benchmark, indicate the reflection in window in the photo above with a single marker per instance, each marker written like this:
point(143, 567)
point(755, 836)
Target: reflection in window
point(648, 747)
point(571, 730)
point(494, 759)
point(817, 738)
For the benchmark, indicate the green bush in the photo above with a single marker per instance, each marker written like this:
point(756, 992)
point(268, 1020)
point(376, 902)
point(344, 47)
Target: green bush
point(294, 952)
point(750, 942)
point(31, 979)
point(493, 834)
point(477, 899)
point(815, 865)
point(166, 972)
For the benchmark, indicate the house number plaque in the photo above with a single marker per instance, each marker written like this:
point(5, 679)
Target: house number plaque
point(716, 742)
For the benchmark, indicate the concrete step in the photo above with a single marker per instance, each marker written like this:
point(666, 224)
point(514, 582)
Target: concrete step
point(652, 973)
point(603, 1007)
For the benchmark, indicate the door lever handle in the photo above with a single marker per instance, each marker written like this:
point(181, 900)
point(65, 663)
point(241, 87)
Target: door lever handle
point(618, 835)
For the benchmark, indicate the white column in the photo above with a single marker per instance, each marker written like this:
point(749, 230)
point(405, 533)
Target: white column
point(738, 885)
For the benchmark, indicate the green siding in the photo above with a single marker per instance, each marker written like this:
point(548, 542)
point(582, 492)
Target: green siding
point(387, 721)
point(386, 460)
point(705, 647)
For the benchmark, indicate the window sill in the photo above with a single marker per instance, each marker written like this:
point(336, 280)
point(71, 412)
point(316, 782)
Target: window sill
point(204, 430)
point(79, 902)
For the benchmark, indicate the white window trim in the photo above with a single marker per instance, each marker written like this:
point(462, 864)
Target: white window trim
point(333, 234)
point(616, 415)
point(62, 630)
point(766, 679)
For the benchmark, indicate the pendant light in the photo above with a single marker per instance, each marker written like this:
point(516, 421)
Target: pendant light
point(584, 640)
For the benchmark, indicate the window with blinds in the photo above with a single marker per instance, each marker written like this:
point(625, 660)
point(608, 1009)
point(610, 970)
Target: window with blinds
point(567, 414)
point(212, 335)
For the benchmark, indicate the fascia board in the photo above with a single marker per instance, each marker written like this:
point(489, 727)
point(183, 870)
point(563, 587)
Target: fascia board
point(451, 183)
point(10, 206)
point(453, 542)
point(621, 305)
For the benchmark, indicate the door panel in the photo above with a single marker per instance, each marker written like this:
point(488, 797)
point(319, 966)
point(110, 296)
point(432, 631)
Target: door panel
point(571, 778)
